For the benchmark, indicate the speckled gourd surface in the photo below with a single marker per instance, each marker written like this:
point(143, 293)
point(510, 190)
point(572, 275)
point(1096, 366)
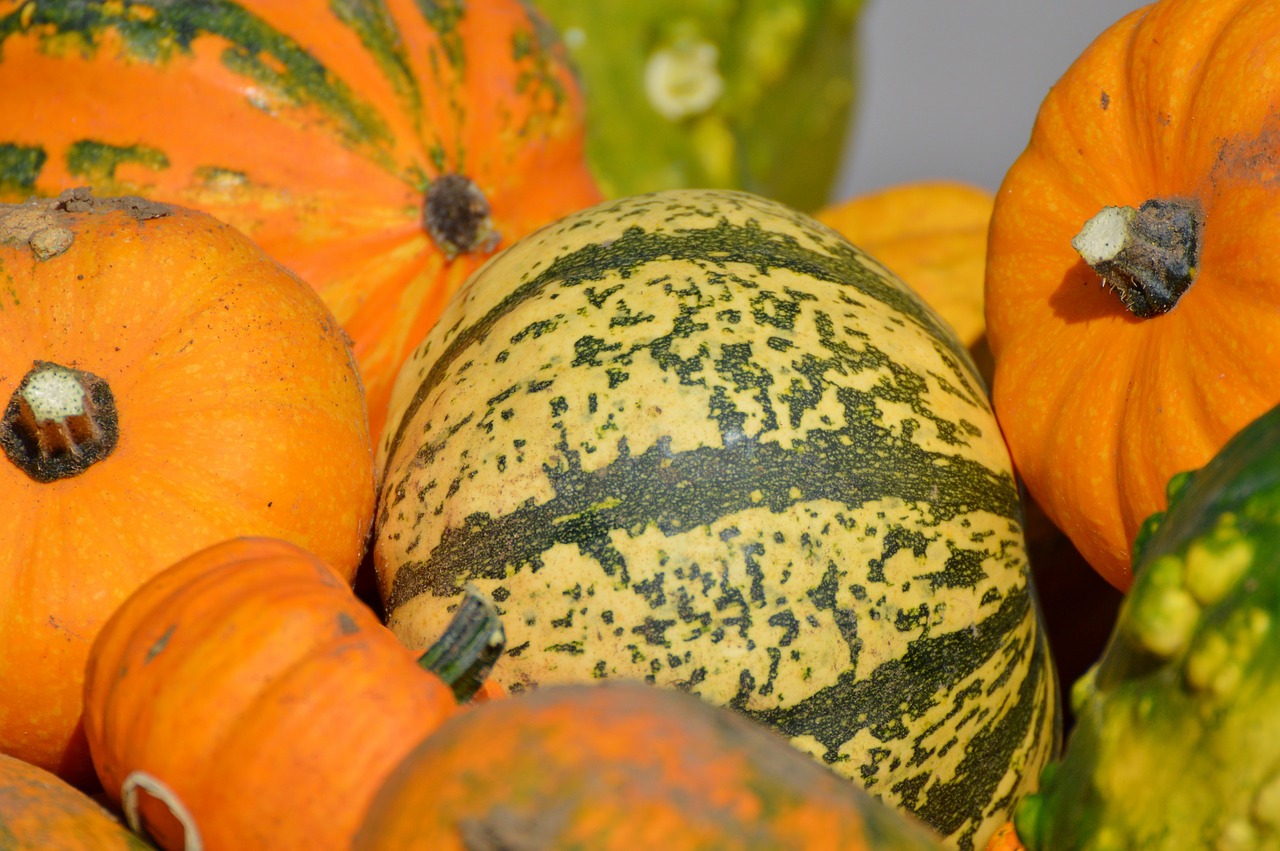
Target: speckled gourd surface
point(698, 439)
point(733, 94)
point(1177, 739)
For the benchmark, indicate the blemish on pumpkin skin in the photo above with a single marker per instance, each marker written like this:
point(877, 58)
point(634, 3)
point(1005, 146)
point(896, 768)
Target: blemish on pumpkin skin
point(1105, 100)
point(160, 644)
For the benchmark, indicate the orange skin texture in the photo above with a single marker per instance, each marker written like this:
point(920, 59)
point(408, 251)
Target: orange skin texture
point(1005, 839)
point(344, 214)
point(41, 812)
point(1100, 408)
point(931, 234)
point(253, 684)
point(239, 413)
point(621, 766)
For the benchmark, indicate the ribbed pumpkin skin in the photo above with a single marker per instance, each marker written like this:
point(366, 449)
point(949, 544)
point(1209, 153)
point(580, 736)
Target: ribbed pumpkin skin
point(239, 413)
point(622, 766)
point(314, 127)
point(1100, 408)
point(250, 681)
point(41, 812)
point(699, 439)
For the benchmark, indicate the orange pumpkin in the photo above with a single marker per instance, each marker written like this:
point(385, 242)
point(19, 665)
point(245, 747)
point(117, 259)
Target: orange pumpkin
point(167, 385)
point(249, 689)
point(932, 235)
point(380, 150)
point(1110, 380)
point(622, 765)
point(41, 812)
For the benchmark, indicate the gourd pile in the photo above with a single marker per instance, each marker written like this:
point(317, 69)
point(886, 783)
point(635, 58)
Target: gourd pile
point(463, 425)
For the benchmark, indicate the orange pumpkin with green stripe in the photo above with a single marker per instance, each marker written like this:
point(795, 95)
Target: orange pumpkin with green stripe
point(700, 439)
point(380, 149)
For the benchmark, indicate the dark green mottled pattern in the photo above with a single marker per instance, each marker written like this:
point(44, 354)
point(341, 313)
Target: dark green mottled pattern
point(749, 244)
point(807, 532)
point(679, 491)
point(20, 167)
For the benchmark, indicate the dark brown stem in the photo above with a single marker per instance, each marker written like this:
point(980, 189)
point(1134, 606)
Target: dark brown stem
point(59, 422)
point(470, 646)
point(456, 215)
point(1149, 256)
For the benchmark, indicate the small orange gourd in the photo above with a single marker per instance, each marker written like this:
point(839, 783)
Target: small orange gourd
point(623, 765)
point(247, 688)
point(1131, 299)
point(164, 385)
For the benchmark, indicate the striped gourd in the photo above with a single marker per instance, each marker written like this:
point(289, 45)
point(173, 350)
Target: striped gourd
point(379, 149)
point(698, 439)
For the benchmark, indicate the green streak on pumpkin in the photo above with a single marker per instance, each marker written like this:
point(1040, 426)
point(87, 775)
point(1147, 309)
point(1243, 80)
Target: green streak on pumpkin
point(20, 167)
point(96, 162)
point(748, 245)
point(270, 59)
point(677, 492)
point(444, 16)
point(371, 21)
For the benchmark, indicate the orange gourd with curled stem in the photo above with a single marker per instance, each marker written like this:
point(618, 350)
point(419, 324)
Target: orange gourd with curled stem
point(249, 690)
point(1131, 297)
point(380, 149)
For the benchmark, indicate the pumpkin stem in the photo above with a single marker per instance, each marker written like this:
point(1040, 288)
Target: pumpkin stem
point(59, 422)
point(470, 646)
point(456, 215)
point(1149, 256)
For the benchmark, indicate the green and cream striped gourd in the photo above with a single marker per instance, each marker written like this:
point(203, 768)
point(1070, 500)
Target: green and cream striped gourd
point(698, 439)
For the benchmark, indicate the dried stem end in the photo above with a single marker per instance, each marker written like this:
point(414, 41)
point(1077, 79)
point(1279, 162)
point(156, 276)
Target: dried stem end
point(1148, 256)
point(59, 422)
point(455, 214)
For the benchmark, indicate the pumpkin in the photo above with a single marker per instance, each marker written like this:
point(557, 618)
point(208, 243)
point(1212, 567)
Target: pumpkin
point(932, 235)
point(697, 438)
point(1177, 739)
point(41, 812)
point(1155, 150)
point(722, 94)
point(247, 686)
point(379, 150)
point(621, 765)
point(166, 385)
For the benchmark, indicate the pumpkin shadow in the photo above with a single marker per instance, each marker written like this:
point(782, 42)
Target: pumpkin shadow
point(1081, 296)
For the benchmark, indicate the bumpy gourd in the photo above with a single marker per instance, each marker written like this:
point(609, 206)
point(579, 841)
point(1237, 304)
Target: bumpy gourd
point(1177, 739)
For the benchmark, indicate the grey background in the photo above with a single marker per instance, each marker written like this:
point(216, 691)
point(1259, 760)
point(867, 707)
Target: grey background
point(950, 88)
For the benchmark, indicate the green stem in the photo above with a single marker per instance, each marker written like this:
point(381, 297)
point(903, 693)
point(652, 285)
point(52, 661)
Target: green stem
point(1149, 256)
point(469, 647)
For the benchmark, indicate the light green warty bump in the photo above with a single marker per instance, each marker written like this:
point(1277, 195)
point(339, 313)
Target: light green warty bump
point(1163, 616)
point(1266, 803)
point(1216, 562)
